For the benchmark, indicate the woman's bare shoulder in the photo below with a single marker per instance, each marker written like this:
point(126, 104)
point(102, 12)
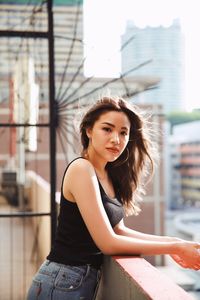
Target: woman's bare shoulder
point(79, 170)
point(80, 166)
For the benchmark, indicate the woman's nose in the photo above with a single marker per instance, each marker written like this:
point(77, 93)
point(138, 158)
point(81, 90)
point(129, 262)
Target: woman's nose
point(115, 138)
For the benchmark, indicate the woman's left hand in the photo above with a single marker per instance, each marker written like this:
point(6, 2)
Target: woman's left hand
point(183, 262)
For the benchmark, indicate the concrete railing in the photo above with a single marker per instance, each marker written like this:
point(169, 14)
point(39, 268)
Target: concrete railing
point(133, 278)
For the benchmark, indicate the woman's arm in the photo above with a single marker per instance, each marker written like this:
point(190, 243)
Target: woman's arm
point(121, 229)
point(179, 258)
point(85, 190)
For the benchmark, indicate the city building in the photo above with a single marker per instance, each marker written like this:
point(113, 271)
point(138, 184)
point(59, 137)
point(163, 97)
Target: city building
point(185, 166)
point(164, 48)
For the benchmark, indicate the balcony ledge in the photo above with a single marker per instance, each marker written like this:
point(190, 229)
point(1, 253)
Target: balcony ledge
point(126, 278)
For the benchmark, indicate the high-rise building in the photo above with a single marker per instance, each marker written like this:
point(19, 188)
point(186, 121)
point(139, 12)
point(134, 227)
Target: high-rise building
point(185, 162)
point(164, 46)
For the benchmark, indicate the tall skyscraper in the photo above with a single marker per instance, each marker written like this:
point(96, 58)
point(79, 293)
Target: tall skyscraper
point(164, 45)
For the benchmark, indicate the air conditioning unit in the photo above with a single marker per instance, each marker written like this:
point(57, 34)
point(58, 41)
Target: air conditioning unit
point(9, 186)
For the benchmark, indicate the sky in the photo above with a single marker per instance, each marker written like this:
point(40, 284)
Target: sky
point(105, 21)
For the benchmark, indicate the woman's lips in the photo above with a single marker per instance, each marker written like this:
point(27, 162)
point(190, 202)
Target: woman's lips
point(113, 150)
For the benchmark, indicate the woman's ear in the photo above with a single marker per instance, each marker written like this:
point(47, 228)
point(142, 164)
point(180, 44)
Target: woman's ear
point(88, 132)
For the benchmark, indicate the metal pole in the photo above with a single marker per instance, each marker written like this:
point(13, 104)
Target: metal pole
point(52, 106)
point(23, 34)
point(156, 189)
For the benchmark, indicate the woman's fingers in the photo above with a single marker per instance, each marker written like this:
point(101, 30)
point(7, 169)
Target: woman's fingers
point(179, 261)
point(185, 263)
point(188, 256)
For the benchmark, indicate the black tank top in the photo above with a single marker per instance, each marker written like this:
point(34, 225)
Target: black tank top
point(73, 243)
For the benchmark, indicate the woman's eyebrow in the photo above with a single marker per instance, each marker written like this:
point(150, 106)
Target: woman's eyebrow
point(110, 124)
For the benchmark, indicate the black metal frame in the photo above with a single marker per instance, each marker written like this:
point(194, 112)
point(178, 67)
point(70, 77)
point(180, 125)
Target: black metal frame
point(52, 120)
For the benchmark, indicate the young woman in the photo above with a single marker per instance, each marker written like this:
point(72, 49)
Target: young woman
point(98, 189)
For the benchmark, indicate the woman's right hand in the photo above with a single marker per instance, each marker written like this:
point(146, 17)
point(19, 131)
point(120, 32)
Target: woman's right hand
point(188, 255)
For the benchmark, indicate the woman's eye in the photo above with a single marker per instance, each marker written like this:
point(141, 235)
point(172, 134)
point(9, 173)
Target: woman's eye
point(124, 133)
point(107, 129)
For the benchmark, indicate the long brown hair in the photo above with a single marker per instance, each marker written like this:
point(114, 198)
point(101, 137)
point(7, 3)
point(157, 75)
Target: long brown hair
point(130, 169)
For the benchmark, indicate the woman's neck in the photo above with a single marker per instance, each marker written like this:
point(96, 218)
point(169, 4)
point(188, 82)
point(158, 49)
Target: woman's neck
point(98, 165)
point(101, 175)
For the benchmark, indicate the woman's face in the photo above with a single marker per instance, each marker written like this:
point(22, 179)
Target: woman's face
point(109, 136)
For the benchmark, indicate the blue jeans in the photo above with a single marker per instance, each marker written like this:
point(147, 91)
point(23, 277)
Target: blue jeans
point(56, 281)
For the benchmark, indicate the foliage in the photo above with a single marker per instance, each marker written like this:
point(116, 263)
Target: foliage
point(176, 118)
point(34, 2)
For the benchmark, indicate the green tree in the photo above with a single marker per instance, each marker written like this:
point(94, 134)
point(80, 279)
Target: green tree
point(176, 118)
